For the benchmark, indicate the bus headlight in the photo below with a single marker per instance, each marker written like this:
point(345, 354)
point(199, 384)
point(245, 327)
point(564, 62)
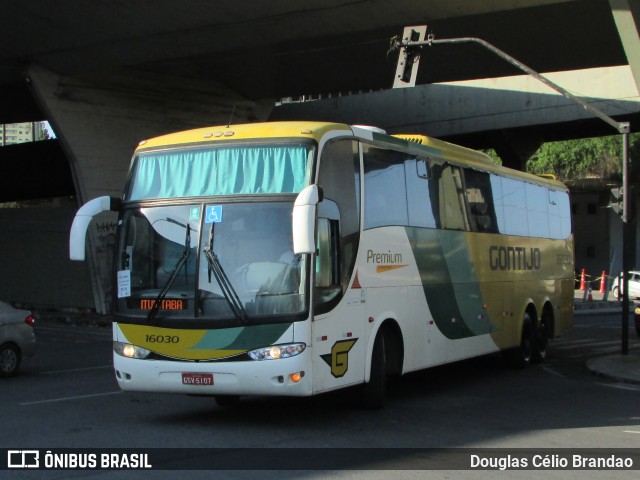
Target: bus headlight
point(130, 351)
point(275, 352)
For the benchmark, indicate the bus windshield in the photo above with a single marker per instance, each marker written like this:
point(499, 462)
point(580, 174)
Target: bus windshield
point(210, 261)
point(241, 169)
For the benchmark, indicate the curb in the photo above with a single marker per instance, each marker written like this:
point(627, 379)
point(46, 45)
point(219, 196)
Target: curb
point(620, 368)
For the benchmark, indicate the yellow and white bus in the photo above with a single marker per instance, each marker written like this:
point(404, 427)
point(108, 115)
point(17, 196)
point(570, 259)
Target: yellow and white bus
point(296, 258)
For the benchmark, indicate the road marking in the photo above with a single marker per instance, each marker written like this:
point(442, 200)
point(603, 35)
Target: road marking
point(73, 370)
point(550, 370)
point(70, 332)
point(581, 340)
point(65, 399)
point(631, 431)
point(621, 386)
point(608, 344)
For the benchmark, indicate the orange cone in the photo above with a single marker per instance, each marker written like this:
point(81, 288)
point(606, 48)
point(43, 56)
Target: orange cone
point(602, 281)
point(583, 281)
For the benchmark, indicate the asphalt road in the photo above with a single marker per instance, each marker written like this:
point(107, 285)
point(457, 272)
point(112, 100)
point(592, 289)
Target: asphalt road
point(67, 397)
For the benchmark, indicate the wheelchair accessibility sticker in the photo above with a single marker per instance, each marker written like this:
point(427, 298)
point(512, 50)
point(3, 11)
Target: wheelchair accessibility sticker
point(213, 214)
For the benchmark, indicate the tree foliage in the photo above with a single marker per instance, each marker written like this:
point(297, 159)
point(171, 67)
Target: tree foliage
point(599, 157)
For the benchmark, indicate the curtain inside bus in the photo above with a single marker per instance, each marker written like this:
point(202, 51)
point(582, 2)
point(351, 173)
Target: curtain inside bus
point(221, 171)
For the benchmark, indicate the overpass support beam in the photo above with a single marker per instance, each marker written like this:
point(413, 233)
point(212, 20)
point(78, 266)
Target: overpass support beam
point(626, 14)
point(479, 107)
point(100, 119)
point(515, 147)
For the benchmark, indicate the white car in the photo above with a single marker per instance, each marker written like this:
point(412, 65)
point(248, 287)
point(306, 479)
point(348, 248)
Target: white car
point(17, 339)
point(634, 285)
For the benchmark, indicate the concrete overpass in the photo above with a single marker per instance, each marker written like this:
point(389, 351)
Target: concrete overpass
point(514, 115)
point(107, 74)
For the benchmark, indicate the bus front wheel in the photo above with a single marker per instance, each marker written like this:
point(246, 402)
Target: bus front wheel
point(374, 392)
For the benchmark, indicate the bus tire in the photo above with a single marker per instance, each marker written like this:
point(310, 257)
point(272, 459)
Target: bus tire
point(227, 400)
point(374, 392)
point(521, 356)
point(541, 343)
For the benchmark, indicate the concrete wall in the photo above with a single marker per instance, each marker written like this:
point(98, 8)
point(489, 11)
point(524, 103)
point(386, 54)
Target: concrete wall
point(598, 235)
point(34, 254)
point(593, 247)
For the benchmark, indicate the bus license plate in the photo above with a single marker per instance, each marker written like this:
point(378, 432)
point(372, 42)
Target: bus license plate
point(197, 378)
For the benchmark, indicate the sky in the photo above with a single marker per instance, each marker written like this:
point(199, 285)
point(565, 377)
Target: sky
point(47, 126)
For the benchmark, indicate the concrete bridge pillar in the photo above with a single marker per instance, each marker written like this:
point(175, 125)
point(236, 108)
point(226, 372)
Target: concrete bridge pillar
point(626, 14)
point(515, 147)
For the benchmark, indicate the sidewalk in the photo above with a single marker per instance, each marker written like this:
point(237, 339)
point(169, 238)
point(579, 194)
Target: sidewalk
point(617, 367)
point(597, 303)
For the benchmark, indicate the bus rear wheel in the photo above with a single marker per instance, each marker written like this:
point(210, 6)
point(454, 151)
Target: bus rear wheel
point(542, 343)
point(521, 356)
point(374, 392)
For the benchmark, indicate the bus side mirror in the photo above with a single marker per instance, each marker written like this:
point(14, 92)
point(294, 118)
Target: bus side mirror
point(82, 220)
point(304, 220)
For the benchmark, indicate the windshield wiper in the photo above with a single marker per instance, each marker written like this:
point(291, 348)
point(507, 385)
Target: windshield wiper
point(174, 273)
point(228, 291)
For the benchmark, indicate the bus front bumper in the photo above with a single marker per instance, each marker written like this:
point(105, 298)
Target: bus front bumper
point(286, 376)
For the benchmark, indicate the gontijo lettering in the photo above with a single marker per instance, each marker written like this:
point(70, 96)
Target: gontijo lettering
point(514, 258)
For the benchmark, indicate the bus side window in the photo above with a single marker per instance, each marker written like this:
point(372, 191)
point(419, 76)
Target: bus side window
point(480, 201)
point(514, 207)
point(417, 178)
point(451, 199)
point(385, 187)
point(537, 210)
point(559, 214)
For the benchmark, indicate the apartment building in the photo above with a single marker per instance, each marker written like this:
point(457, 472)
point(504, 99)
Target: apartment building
point(13, 133)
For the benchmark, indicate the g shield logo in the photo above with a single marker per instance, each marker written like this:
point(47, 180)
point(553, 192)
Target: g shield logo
point(338, 359)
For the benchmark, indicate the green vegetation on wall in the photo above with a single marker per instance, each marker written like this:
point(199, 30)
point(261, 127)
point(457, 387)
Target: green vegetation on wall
point(599, 157)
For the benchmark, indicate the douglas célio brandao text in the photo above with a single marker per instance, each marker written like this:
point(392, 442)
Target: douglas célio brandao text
point(550, 461)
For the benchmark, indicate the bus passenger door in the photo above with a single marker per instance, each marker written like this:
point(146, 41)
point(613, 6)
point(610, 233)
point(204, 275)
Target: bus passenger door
point(338, 324)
